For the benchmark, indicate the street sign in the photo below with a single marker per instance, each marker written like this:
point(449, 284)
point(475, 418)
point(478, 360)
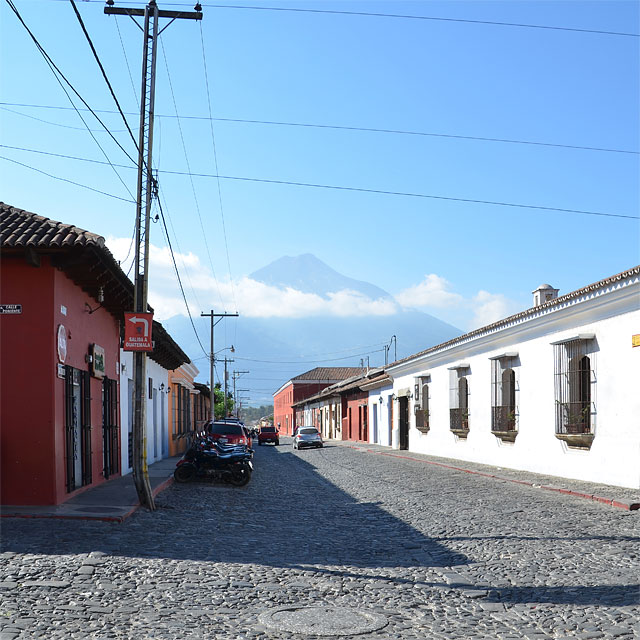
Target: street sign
point(10, 308)
point(137, 332)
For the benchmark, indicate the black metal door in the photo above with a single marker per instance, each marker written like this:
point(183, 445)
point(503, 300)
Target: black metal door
point(403, 422)
point(109, 427)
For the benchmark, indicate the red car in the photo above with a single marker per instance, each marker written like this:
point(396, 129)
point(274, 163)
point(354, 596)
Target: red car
point(269, 434)
point(227, 433)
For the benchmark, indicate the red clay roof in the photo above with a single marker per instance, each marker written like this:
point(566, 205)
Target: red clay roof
point(321, 374)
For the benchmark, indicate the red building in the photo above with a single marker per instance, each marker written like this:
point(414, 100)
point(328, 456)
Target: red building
point(304, 386)
point(62, 299)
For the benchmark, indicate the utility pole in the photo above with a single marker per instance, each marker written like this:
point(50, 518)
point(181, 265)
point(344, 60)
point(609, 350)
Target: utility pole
point(226, 376)
point(146, 189)
point(235, 375)
point(212, 356)
point(394, 342)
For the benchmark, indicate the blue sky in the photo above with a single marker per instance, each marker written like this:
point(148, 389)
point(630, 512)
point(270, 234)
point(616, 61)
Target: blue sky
point(456, 78)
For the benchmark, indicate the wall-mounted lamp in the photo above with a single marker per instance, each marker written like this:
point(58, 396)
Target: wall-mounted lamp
point(100, 300)
point(380, 399)
point(162, 386)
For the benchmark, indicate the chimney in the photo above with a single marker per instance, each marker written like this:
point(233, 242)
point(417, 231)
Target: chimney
point(544, 293)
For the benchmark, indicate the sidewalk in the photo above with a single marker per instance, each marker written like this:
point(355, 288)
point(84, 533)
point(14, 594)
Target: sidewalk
point(620, 497)
point(113, 500)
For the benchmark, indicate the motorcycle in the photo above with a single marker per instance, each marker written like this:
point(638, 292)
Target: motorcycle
point(207, 459)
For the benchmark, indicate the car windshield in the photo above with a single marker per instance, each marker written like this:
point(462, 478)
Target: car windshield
point(226, 429)
point(268, 430)
point(308, 430)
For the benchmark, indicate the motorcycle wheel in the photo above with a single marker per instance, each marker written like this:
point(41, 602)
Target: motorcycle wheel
point(241, 476)
point(184, 473)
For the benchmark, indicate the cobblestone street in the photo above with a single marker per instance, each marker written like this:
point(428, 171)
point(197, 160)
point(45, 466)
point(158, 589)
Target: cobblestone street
point(385, 545)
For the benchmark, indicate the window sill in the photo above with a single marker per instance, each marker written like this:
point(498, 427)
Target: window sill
point(577, 440)
point(506, 436)
point(461, 433)
point(423, 429)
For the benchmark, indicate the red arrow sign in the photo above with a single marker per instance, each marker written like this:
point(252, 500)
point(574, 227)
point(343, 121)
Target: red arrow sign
point(137, 332)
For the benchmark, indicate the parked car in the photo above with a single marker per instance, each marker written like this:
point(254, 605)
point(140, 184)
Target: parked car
point(307, 437)
point(269, 434)
point(227, 432)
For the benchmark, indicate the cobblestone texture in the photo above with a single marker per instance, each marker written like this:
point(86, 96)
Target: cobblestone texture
point(437, 552)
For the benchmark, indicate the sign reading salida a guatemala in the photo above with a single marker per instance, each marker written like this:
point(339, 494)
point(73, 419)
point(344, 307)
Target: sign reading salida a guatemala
point(137, 332)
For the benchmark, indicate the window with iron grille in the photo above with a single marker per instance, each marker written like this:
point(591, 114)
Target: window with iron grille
point(459, 400)
point(421, 405)
point(575, 385)
point(504, 411)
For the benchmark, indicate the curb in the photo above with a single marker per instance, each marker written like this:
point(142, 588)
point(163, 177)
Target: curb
point(620, 504)
point(119, 519)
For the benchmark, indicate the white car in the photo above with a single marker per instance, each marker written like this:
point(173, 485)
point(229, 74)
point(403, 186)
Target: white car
point(307, 437)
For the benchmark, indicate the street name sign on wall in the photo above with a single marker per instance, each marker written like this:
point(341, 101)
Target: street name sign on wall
point(10, 309)
point(137, 332)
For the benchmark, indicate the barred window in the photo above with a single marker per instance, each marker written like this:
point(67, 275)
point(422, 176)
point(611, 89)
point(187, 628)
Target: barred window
point(422, 404)
point(575, 386)
point(503, 395)
point(459, 399)
point(575, 380)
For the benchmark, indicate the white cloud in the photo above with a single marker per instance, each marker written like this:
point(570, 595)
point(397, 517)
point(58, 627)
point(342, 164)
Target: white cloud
point(433, 291)
point(249, 297)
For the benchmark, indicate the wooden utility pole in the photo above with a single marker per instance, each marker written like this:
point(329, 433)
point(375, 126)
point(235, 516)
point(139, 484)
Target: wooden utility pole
point(212, 355)
point(146, 190)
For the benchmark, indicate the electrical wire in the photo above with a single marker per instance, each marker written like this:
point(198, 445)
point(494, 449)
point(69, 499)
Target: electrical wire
point(58, 124)
point(52, 65)
point(363, 190)
point(175, 266)
point(215, 160)
point(77, 184)
point(433, 18)
point(355, 355)
point(402, 132)
point(104, 73)
point(193, 188)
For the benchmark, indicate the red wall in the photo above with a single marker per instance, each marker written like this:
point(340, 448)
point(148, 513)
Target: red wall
point(32, 445)
point(352, 431)
point(282, 401)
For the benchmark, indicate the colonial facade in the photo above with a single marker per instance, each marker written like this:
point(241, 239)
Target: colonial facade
point(65, 393)
point(551, 390)
point(304, 386)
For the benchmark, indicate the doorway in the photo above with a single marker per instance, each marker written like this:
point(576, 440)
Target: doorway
point(403, 421)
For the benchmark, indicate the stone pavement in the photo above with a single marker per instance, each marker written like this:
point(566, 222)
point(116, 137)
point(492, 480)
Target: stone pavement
point(113, 500)
point(331, 543)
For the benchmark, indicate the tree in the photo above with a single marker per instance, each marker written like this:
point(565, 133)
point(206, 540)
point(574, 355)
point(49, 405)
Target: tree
point(218, 395)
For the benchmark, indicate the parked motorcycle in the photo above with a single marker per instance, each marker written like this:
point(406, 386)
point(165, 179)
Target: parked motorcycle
point(206, 459)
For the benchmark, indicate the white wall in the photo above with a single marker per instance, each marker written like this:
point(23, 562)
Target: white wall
point(156, 434)
point(383, 435)
point(614, 456)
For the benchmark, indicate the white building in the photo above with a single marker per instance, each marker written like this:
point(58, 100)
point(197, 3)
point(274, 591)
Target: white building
point(165, 357)
point(552, 390)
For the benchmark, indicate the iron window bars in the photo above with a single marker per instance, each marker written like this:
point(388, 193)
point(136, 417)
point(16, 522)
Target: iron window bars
point(575, 384)
point(504, 411)
point(459, 400)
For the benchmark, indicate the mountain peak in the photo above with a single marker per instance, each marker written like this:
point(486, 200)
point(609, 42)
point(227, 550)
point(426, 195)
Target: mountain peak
point(309, 274)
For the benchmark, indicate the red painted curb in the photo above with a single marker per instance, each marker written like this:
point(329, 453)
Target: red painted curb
point(628, 506)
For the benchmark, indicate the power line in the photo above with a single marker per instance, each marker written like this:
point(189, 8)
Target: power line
point(432, 18)
point(186, 158)
point(175, 266)
point(52, 65)
point(215, 159)
point(77, 184)
point(355, 355)
point(402, 132)
point(104, 73)
point(356, 189)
